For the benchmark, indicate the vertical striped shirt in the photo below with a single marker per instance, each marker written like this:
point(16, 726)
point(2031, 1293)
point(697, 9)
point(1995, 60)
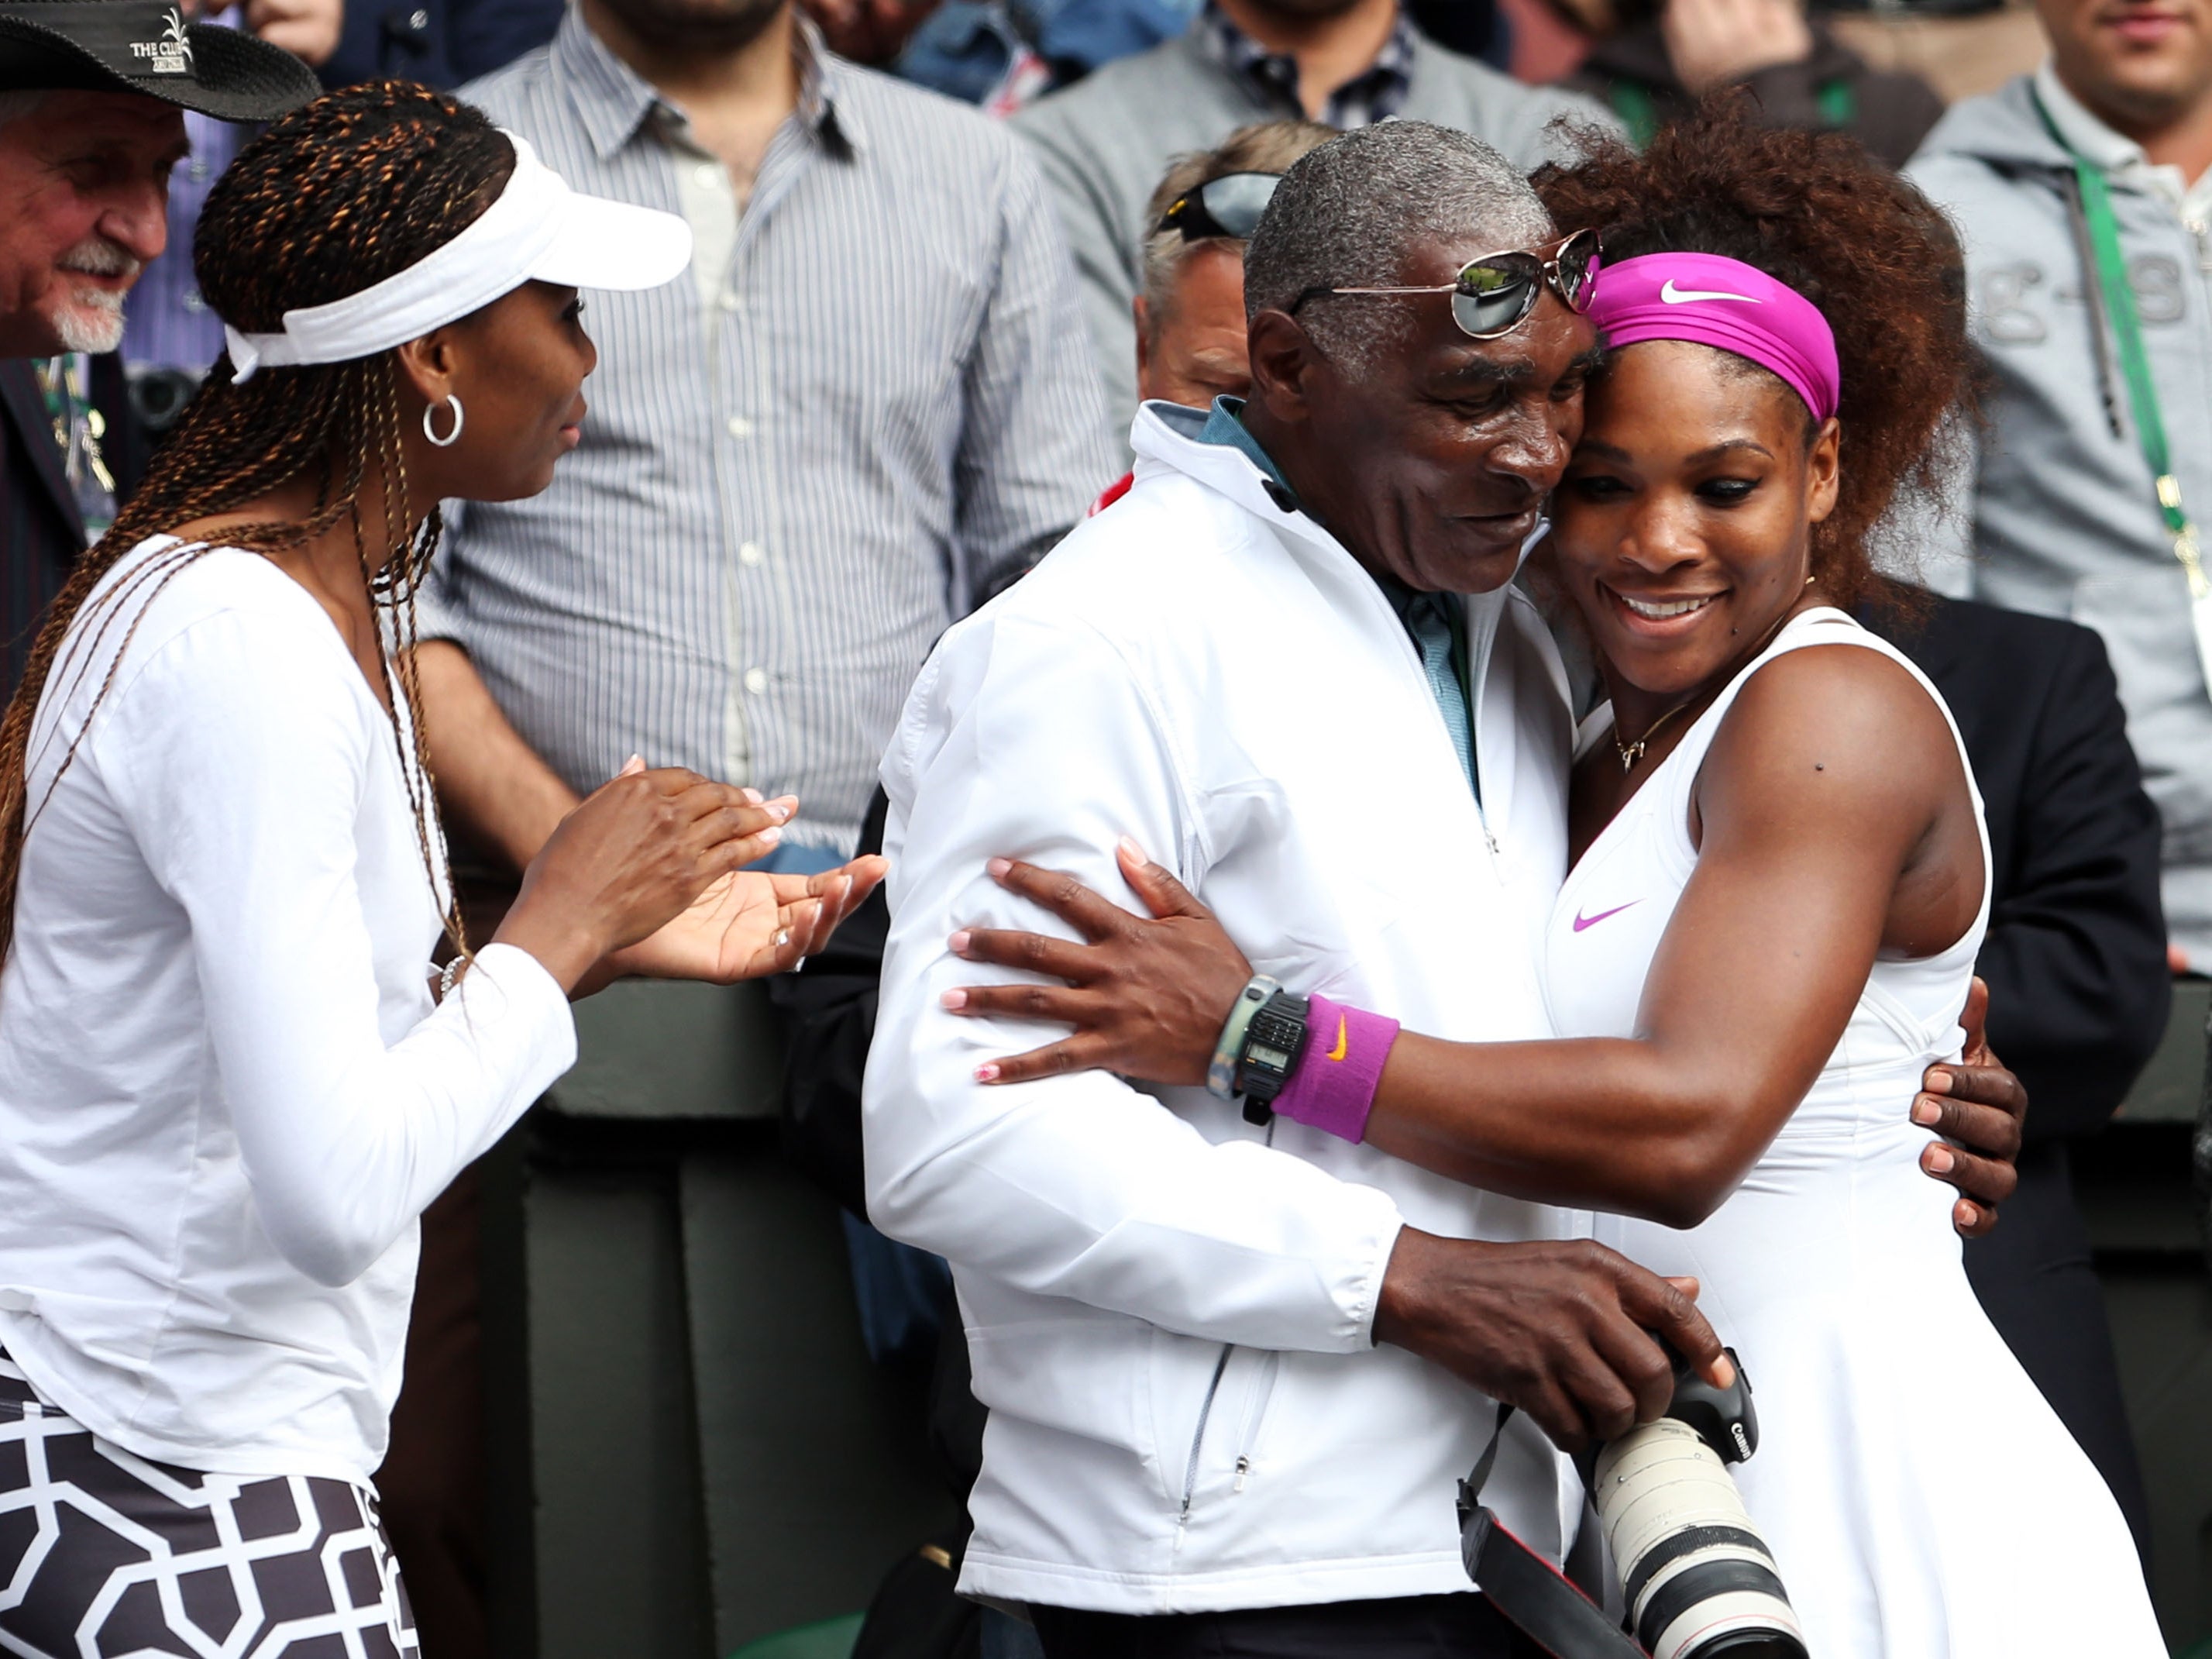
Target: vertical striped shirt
point(166, 323)
point(800, 465)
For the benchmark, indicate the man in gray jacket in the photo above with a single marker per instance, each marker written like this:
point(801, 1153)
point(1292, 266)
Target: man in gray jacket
point(2108, 144)
point(1104, 141)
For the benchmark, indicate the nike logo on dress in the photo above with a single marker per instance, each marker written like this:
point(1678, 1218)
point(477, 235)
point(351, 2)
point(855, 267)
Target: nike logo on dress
point(1343, 1041)
point(1677, 296)
point(1582, 921)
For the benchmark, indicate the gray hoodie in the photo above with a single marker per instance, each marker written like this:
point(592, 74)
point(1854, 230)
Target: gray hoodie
point(2065, 522)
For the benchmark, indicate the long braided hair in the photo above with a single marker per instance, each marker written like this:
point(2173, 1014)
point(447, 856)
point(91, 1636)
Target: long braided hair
point(349, 190)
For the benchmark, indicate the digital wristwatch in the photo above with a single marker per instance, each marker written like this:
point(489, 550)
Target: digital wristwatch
point(1272, 1041)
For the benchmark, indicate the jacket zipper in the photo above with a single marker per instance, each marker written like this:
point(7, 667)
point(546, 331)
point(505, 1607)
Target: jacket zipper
point(1198, 1441)
point(1270, 1364)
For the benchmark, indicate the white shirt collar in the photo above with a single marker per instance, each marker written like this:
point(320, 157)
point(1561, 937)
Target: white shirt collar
point(2118, 154)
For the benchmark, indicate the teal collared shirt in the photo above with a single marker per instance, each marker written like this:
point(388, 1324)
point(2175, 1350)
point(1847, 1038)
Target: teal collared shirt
point(1436, 621)
point(1225, 425)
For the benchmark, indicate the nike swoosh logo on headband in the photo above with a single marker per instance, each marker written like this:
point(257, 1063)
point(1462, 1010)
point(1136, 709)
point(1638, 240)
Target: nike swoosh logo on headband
point(1582, 921)
point(1677, 296)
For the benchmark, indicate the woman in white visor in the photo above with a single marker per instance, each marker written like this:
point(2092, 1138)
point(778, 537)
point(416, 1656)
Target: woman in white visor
point(229, 1079)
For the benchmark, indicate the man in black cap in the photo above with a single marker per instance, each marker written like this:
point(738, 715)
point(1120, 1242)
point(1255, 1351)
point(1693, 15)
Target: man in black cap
point(92, 96)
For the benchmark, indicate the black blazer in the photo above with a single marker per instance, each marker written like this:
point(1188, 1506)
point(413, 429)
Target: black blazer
point(41, 530)
point(2075, 961)
point(2076, 957)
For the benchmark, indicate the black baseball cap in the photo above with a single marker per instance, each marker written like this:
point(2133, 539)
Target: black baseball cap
point(147, 46)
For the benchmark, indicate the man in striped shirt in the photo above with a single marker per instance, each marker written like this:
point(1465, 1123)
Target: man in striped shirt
point(800, 465)
point(873, 392)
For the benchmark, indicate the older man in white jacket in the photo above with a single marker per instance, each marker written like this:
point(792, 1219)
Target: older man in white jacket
point(1174, 1316)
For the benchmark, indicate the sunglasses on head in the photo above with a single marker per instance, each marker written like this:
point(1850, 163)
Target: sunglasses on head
point(1493, 294)
point(1228, 206)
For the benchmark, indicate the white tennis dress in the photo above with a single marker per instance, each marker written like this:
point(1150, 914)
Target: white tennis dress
point(1922, 1500)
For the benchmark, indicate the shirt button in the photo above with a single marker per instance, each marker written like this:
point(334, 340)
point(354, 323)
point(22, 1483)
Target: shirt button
point(757, 680)
point(751, 553)
point(730, 302)
point(740, 426)
point(708, 175)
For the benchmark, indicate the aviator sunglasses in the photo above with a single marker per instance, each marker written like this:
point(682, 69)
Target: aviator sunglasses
point(1228, 206)
point(1493, 294)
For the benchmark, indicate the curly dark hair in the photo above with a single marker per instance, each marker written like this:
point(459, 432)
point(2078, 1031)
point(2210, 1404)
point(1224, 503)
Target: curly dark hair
point(350, 189)
point(1814, 211)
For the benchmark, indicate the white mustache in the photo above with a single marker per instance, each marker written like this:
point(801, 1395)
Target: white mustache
point(98, 256)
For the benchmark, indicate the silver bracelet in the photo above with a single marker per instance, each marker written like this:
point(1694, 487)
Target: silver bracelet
point(1221, 1075)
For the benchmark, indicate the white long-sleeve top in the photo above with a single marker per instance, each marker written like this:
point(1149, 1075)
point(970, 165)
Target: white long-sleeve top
point(1169, 1311)
point(225, 1093)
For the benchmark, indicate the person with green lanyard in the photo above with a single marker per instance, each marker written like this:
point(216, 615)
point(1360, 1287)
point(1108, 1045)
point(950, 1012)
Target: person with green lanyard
point(1663, 55)
point(2083, 194)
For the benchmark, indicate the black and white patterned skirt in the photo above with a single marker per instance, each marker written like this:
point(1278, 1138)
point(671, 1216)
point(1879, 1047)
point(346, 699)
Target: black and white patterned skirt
point(104, 1554)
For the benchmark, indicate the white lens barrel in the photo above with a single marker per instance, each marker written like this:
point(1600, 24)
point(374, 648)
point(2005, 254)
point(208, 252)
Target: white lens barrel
point(1698, 1577)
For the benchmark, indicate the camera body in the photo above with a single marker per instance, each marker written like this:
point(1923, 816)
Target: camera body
point(1700, 1581)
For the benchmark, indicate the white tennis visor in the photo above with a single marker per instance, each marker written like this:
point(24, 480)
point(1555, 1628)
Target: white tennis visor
point(538, 230)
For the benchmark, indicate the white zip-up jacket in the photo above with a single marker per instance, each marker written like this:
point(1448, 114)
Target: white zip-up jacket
point(1169, 1311)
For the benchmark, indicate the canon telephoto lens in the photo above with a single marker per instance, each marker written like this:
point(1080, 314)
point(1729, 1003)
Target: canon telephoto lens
point(1700, 1581)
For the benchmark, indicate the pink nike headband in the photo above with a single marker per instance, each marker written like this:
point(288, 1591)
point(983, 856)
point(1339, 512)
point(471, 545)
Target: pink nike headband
point(1710, 301)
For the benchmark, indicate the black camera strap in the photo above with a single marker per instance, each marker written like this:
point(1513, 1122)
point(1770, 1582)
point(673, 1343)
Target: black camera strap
point(1533, 1594)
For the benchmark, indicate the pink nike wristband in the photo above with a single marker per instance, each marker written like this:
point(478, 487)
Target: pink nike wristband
point(1340, 1069)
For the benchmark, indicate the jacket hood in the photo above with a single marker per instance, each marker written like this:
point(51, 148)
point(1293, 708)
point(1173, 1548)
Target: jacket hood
point(2002, 129)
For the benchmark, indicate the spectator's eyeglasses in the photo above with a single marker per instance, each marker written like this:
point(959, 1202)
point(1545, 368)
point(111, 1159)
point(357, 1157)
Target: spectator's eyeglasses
point(1228, 206)
point(1494, 294)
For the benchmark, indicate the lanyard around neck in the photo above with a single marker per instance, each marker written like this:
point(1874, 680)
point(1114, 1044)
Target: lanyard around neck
point(2119, 307)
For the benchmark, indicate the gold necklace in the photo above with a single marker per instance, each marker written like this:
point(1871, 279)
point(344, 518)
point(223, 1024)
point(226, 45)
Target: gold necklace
point(1633, 752)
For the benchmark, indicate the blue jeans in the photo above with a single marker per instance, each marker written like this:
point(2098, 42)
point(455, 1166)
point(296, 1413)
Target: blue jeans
point(1006, 1636)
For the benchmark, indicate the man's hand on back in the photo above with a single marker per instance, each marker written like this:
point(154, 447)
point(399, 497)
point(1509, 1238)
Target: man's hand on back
point(1569, 1333)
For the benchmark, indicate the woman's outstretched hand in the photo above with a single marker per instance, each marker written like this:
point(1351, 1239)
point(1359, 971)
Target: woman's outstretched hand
point(746, 926)
point(1146, 997)
point(649, 848)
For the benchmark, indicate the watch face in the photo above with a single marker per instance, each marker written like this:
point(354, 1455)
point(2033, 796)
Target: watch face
point(1275, 1060)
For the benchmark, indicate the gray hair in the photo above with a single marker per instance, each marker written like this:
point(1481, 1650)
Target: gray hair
point(1350, 214)
point(1263, 147)
point(15, 105)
